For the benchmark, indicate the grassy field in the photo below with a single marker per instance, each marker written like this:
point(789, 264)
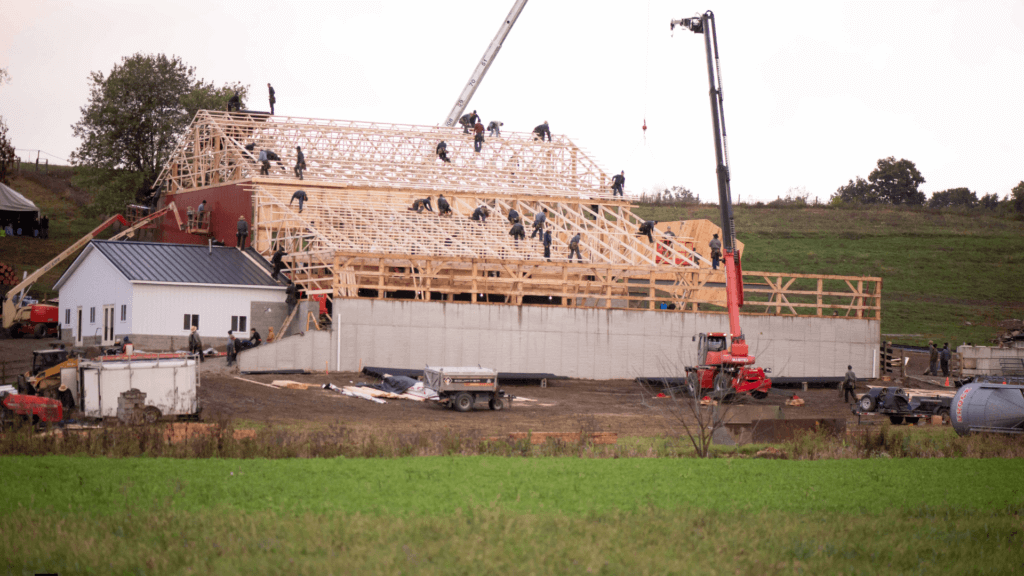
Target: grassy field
point(473, 515)
point(946, 276)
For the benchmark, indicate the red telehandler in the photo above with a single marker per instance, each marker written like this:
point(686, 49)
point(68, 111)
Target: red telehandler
point(724, 369)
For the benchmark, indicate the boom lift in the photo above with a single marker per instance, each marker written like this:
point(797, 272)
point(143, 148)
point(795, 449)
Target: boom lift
point(485, 64)
point(42, 319)
point(727, 369)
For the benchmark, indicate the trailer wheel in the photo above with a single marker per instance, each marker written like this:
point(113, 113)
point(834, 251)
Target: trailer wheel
point(912, 419)
point(151, 414)
point(866, 403)
point(497, 403)
point(896, 420)
point(463, 402)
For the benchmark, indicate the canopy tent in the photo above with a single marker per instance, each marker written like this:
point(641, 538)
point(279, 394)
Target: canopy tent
point(12, 201)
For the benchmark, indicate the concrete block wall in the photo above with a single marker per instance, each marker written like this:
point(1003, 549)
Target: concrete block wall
point(586, 343)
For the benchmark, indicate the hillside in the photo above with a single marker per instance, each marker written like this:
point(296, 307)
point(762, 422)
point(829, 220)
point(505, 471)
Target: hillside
point(947, 276)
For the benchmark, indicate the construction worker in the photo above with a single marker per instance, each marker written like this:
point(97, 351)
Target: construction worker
point(291, 297)
point(517, 232)
point(301, 196)
point(234, 103)
point(254, 339)
point(232, 348)
point(199, 214)
point(944, 357)
point(933, 359)
point(574, 246)
point(481, 213)
point(495, 128)
point(195, 344)
point(618, 181)
point(546, 239)
point(443, 207)
point(513, 216)
point(538, 223)
point(273, 97)
point(243, 232)
point(716, 251)
point(300, 163)
point(542, 131)
point(442, 151)
point(264, 163)
point(277, 261)
point(419, 205)
point(648, 228)
point(66, 399)
point(478, 136)
point(849, 382)
point(468, 120)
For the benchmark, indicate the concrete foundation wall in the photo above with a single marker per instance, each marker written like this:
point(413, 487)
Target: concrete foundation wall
point(305, 351)
point(984, 360)
point(586, 343)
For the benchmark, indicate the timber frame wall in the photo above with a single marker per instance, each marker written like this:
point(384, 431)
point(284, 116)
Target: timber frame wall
point(357, 237)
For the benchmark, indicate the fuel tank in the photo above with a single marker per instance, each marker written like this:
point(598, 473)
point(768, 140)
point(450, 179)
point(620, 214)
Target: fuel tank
point(988, 407)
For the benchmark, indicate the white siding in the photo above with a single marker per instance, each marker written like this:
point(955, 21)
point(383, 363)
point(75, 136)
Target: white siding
point(160, 309)
point(94, 284)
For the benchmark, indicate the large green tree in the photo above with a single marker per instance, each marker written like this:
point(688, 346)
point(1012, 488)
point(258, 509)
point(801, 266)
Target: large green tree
point(132, 122)
point(1017, 197)
point(896, 182)
point(858, 191)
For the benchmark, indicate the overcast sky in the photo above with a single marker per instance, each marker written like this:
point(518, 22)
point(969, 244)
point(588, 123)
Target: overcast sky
point(815, 92)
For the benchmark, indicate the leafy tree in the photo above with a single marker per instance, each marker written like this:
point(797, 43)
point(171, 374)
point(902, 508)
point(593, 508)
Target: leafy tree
point(989, 201)
point(667, 196)
point(896, 182)
point(1017, 197)
point(858, 191)
point(7, 156)
point(133, 120)
point(954, 197)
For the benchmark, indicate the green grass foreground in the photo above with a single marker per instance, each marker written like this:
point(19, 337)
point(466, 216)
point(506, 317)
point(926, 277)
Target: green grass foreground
point(476, 515)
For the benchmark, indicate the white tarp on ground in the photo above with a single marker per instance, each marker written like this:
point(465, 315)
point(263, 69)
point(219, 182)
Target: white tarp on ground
point(12, 201)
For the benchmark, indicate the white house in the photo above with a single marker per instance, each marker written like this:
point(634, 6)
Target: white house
point(155, 292)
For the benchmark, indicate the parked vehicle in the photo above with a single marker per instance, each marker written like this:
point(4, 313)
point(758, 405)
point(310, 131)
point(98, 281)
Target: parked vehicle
point(461, 388)
point(900, 406)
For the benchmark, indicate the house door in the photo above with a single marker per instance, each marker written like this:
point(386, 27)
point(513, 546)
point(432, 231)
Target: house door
point(78, 332)
point(108, 325)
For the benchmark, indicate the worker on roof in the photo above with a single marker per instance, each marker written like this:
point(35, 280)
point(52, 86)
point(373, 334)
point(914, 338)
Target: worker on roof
point(419, 205)
point(273, 97)
point(481, 213)
point(542, 131)
point(301, 196)
point(538, 223)
point(647, 228)
point(277, 261)
point(243, 232)
point(300, 164)
point(574, 246)
point(468, 121)
point(442, 151)
point(546, 239)
point(517, 232)
point(443, 207)
point(513, 216)
point(618, 181)
point(495, 128)
point(478, 136)
point(716, 251)
point(234, 103)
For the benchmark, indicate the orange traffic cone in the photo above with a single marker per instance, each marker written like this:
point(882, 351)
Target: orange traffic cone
point(947, 382)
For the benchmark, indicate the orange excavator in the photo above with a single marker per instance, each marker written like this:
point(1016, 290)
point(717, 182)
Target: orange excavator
point(724, 368)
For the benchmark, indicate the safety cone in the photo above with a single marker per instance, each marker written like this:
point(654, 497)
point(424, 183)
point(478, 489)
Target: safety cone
point(947, 382)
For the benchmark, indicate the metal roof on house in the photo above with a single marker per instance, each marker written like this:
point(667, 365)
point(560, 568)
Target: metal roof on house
point(186, 263)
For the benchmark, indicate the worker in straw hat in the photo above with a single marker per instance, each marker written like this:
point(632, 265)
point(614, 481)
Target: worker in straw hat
point(66, 399)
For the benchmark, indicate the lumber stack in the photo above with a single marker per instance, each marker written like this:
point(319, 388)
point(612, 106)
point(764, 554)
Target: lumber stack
point(7, 276)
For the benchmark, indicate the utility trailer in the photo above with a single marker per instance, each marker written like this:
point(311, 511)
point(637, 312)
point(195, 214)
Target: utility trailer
point(461, 388)
point(901, 406)
point(134, 390)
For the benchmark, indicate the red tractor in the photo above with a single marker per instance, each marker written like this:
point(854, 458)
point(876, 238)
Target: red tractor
point(35, 410)
point(724, 369)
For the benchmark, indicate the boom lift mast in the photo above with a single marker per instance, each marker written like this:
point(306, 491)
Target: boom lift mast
point(730, 370)
point(485, 64)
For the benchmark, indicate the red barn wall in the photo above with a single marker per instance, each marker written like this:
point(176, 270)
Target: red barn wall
point(227, 203)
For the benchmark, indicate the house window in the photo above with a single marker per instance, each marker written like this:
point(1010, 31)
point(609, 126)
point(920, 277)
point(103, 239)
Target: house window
point(238, 323)
point(67, 317)
point(124, 312)
point(191, 320)
point(92, 315)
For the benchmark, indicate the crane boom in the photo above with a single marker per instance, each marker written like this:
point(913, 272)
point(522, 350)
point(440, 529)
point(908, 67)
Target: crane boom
point(485, 64)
